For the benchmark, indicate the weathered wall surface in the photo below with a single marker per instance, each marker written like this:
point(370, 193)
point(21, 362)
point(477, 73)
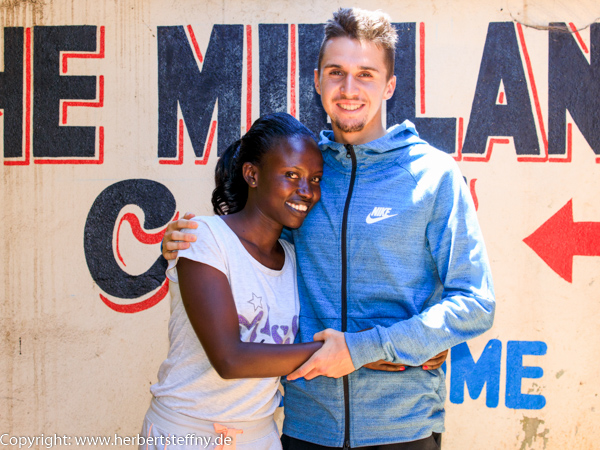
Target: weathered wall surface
point(113, 115)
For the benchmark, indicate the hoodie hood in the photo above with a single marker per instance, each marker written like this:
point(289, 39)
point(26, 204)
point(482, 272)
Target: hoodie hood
point(396, 138)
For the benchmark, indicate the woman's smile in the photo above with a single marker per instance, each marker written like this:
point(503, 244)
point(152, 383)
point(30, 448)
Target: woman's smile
point(300, 207)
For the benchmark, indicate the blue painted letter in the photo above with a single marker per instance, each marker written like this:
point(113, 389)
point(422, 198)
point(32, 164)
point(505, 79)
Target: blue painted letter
point(515, 372)
point(475, 375)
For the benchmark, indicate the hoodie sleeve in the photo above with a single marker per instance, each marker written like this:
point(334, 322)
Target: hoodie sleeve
point(466, 306)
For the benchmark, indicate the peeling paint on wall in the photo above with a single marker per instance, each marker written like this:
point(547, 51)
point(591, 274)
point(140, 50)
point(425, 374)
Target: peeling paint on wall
point(530, 428)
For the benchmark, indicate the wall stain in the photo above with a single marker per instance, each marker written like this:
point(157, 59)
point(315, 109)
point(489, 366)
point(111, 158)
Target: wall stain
point(559, 374)
point(531, 14)
point(548, 27)
point(535, 388)
point(530, 427)
point(22, 12)
point(13, 3)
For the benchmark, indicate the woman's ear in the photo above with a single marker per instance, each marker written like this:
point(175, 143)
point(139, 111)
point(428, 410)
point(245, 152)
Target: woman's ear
point(250, 172)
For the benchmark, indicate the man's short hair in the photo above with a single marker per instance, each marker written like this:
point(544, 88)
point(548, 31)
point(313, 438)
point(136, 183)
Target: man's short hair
point(363, 25)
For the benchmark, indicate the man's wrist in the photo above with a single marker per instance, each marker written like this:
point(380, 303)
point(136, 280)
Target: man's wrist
point(364, 347)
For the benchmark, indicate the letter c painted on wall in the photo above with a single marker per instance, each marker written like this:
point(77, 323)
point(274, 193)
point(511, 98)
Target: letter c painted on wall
point(158, 205)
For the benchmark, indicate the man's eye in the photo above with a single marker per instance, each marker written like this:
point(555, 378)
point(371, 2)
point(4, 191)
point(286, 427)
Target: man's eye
point(365, 75)
point(316, 179)
point(291, 175)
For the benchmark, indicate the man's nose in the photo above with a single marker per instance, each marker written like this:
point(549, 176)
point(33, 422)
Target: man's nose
point(349, 86)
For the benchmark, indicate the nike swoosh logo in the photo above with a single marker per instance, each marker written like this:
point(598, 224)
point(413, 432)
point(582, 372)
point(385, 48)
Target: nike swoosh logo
point(377, 219)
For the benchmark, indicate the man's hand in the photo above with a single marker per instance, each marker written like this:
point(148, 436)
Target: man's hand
point(332, 360)
point(174, 239)
point(434, 363)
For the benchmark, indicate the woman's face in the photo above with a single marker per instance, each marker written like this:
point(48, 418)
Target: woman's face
point(287, 181)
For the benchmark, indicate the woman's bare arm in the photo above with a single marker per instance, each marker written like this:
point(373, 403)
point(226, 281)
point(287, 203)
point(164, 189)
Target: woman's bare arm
point(209, 304)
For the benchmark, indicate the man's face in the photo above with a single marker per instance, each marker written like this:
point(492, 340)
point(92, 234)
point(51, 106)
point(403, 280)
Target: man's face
point(353, 82)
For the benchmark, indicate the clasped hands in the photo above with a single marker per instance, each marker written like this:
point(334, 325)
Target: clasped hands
point(333, 359)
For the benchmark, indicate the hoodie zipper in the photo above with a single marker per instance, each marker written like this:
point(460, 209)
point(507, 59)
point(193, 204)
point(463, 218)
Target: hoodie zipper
point(349, 154)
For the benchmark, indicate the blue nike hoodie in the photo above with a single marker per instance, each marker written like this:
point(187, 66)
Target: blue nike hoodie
point(394, 247)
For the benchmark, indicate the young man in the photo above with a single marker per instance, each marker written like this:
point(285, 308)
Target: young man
point(392, 257)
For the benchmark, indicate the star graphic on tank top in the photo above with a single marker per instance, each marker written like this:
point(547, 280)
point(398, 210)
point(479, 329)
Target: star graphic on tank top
point(256, 301)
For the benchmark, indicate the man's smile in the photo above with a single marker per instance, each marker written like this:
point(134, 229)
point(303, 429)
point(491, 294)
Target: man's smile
point(349, 107)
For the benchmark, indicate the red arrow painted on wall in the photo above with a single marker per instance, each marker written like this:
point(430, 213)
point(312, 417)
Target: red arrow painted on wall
point(559, 239)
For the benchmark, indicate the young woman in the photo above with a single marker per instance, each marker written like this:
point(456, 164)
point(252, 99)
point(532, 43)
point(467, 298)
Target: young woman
point(234, 294)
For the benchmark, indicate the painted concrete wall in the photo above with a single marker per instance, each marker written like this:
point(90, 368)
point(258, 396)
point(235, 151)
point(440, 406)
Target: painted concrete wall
point(113, 115)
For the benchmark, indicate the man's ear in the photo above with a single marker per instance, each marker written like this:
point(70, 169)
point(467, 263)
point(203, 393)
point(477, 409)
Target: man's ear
point(317, 84)
point(250, 173)
point(390, 88)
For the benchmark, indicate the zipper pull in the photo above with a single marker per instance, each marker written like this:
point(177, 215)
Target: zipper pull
point(349, 149)
point(346, 445)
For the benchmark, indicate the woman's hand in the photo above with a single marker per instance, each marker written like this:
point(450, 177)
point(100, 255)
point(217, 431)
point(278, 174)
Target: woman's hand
point(385, 366)
point(434, 363)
